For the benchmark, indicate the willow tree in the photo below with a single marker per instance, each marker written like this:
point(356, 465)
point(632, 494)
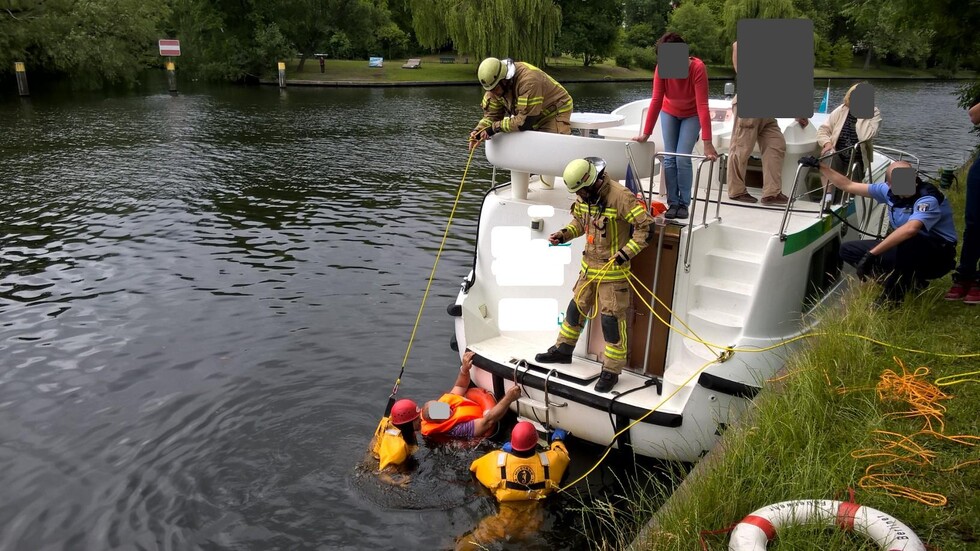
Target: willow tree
point(519, 29)
point(754, 9)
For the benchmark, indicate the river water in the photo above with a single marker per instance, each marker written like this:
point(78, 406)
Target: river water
point(205, 300)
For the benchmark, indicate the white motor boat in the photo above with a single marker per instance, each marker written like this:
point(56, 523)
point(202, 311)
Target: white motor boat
point(731, 282)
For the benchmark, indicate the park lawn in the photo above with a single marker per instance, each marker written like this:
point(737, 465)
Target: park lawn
point(432, 70)
point(565, 69)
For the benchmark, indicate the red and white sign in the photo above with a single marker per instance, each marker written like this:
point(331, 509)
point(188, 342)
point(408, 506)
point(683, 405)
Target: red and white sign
point(170, 48)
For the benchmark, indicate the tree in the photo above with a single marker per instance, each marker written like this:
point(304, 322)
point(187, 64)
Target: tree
point(884, 27)
point(647, 12)
point(524, 29)
point(589, 28)
point(93, 42)
point(700, 30)
point(754, 9)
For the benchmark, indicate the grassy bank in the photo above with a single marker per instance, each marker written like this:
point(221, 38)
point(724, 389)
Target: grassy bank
point(463, 70)
point(816, 432)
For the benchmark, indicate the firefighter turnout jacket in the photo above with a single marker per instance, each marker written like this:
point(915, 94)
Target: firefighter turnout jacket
point(606, 224)
point(532, 101)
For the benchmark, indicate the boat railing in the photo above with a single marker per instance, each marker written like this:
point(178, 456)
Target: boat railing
point(793, 196)
point(661, 156)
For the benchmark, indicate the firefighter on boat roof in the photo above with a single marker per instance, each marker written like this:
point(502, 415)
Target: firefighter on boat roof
point(519, 96)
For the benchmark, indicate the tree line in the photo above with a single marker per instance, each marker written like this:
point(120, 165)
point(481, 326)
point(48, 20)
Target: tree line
point(111, 41)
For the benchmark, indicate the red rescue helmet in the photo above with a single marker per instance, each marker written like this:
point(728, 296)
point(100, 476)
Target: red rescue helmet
point(524, 437)
point(404, 411)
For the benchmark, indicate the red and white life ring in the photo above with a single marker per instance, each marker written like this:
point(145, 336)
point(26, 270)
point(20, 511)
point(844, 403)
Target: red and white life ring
point(754, 531)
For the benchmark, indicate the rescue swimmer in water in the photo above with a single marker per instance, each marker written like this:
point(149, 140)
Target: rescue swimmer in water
point(395, 440)
point(519, 476)
point(454, 415)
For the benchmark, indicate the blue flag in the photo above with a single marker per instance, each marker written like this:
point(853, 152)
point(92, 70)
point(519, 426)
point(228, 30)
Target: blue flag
point(826, 100)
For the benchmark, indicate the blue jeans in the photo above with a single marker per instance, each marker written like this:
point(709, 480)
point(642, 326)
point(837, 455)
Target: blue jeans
point(679, 137)
point(970, 250)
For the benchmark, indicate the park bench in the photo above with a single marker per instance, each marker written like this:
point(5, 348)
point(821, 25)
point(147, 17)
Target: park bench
point(447, 59)
point(413, 63)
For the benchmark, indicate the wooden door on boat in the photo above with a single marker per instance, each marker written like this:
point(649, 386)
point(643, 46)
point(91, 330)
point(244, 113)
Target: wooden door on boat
point(639, 316)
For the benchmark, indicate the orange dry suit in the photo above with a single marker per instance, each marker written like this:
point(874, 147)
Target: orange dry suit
point(513, 478)
point(532, 101)
point(613, 222)
point(389, 446)
point(461, 410)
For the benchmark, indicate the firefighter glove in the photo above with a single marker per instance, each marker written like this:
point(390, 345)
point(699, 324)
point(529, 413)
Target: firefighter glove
point(621, 257)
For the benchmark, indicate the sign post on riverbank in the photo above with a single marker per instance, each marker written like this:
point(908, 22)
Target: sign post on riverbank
point(170, 49)
point(21, 79)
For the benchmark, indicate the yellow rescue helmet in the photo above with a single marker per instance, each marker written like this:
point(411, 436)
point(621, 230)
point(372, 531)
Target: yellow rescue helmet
point(491, 72)
point(582, 173)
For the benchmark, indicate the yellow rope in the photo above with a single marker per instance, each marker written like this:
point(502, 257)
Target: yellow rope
point(973, 376)
point(894, 449)
point(637, 420)
point(432, 274)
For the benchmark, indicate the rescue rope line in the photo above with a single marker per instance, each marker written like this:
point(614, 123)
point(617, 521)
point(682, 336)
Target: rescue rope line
point(432, 274)
point(732, 349)
point(633, 423)
point(904, 453)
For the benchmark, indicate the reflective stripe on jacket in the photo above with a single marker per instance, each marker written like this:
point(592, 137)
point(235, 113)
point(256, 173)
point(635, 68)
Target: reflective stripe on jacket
point(608, 223)
point(531, 100)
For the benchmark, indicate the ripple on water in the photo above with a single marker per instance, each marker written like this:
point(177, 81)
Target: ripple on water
point(205, 300)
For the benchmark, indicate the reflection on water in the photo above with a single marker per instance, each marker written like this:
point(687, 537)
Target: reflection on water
point(205, 298)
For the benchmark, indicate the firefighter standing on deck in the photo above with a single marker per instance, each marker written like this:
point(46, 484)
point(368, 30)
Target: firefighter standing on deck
point(603, 213)
point(520, 97)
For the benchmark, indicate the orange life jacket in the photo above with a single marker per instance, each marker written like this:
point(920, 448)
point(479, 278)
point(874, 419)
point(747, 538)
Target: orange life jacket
point(461, 410)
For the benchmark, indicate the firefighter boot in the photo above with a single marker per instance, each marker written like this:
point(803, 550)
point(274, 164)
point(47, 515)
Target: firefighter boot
point(558, 354)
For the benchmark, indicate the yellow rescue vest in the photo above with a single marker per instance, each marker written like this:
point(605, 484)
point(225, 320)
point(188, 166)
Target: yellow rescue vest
point(513, 478)
point(390, 447)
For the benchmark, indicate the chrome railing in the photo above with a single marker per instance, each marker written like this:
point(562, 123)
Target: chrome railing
point(659, 156)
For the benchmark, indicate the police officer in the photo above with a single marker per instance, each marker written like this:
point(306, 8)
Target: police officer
point(603, 213)
point(519, 96)
point(922, 243)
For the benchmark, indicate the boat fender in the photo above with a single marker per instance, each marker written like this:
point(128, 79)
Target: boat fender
point(755, 531)
point(485, 400)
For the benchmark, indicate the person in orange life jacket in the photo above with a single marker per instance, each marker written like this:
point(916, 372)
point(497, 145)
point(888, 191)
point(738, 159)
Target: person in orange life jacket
point(455, 416)
point(922, 245)
point(519, 477)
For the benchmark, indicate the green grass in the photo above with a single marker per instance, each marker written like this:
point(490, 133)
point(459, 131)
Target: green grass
point(565, 69)
point(432, 70)
point(797, 442)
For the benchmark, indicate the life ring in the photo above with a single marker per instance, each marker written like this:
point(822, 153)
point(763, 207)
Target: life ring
point(754, 531)
point(485, 400)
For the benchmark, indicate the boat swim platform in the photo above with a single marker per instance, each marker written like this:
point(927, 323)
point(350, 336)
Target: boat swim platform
point(637, 390)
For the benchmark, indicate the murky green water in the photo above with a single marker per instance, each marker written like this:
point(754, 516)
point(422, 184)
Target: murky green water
point(204, 301)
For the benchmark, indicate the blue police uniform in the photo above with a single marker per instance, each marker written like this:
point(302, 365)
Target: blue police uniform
point(929, 254)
